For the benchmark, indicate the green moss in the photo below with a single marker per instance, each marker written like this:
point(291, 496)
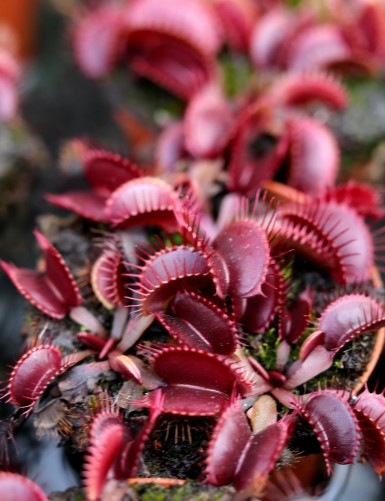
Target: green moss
point(293, 4)
point(287, 268)
point(167, 239)
point(357, 85)
point(190, 491)
point(264, 347)
point(29, 323)
point(237, 72)
point(93, 404)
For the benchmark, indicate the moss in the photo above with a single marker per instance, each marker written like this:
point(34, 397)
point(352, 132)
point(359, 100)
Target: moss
point(237, 72)
point(357, 85)
point(188, 492)
point(265, 347)
point(293, 4)
point(177, 239)
point(93, 404)
point(287, 268)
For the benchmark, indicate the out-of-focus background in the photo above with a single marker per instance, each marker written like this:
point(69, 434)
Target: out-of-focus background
point(56, 103)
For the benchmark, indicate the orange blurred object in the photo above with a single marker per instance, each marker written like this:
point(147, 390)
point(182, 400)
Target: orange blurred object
point(18, 24)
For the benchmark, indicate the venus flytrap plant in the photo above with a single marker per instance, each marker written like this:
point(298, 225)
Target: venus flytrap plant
point(14, 487)
point(105, 172)
point(212, 295)
point(114, 447)
point(35, 371)
point(212, 311)
point(352, 38)
point(207, 335)
point(53, 291)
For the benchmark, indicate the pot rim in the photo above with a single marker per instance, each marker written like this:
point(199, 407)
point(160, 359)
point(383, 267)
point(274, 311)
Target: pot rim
point(338, 482)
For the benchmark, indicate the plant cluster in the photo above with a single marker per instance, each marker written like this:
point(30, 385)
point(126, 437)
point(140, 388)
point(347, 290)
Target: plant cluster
point(233, 273)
